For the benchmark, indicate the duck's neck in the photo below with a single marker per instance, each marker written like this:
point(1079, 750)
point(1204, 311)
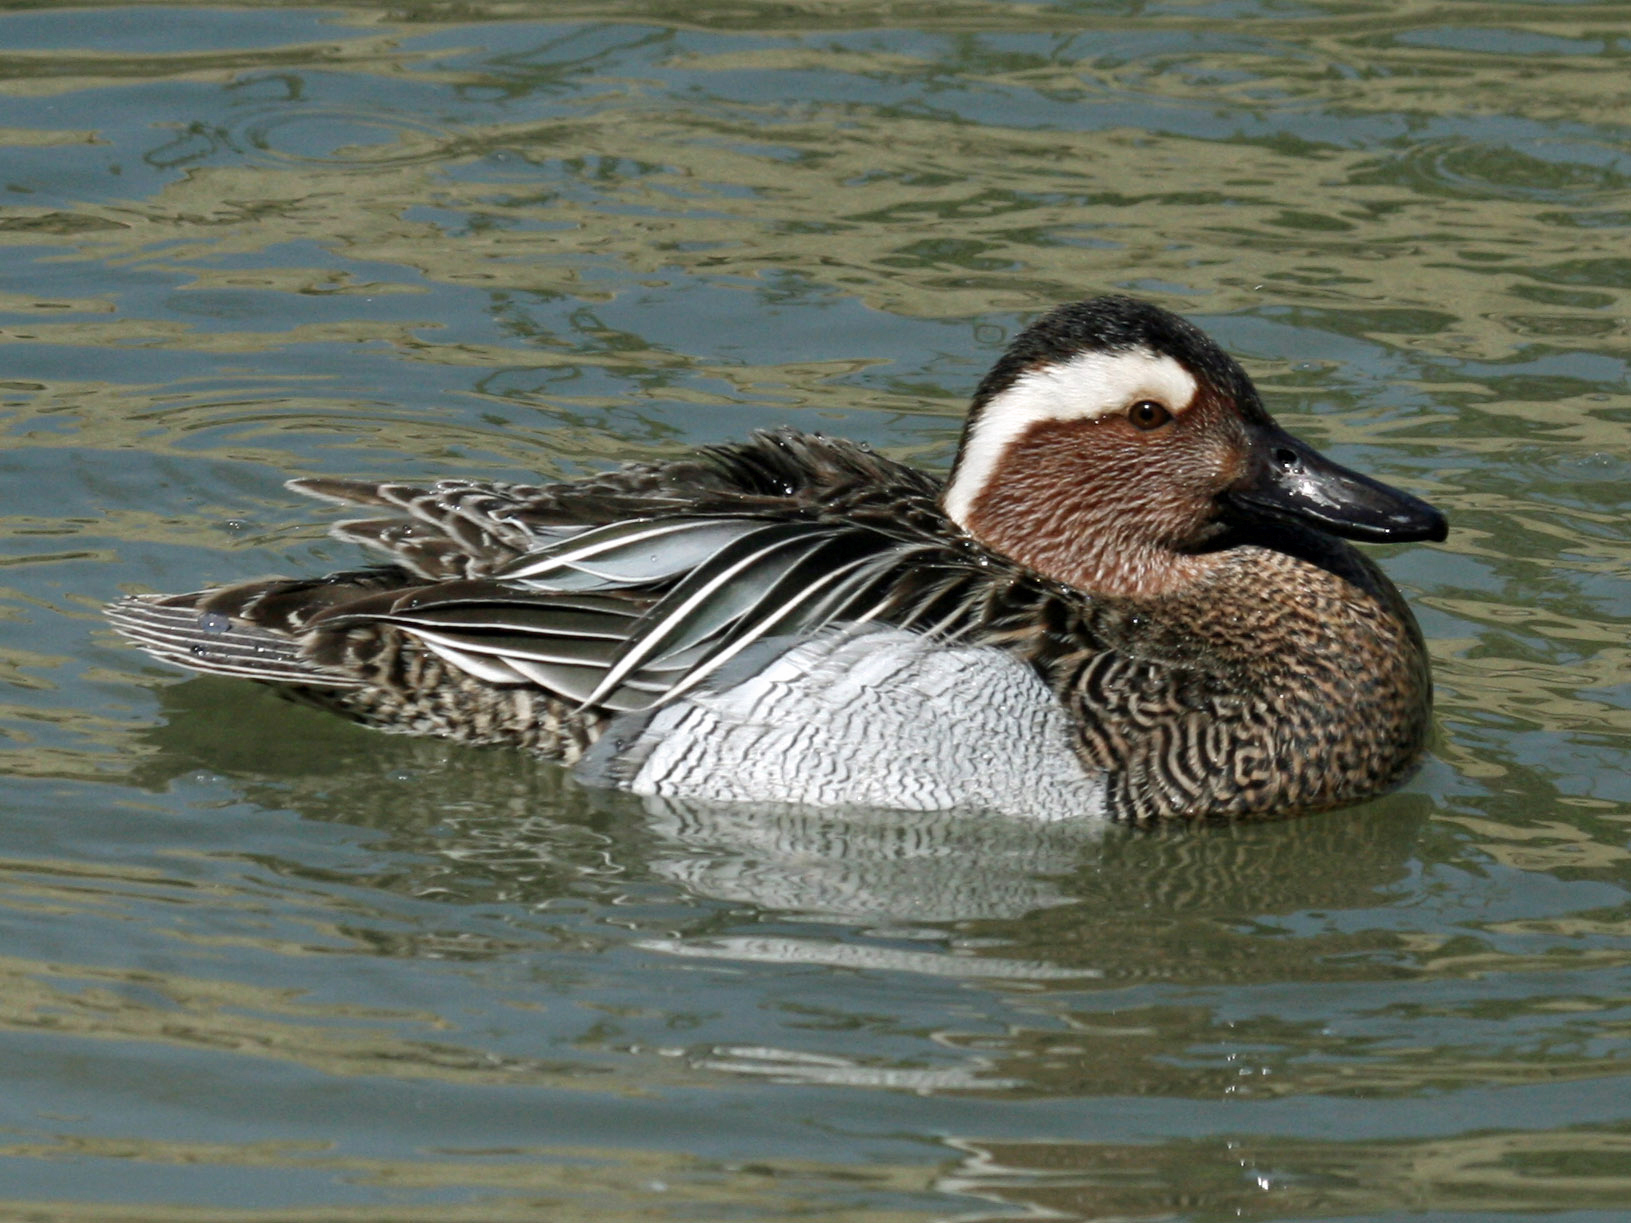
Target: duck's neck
point(1082, 546)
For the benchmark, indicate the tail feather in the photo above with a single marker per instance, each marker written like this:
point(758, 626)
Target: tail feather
point(173, 629)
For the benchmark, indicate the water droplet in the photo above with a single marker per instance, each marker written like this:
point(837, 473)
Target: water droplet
point(214, 622)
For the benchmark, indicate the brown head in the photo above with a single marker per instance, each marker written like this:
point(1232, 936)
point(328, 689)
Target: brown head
point(1114, 444)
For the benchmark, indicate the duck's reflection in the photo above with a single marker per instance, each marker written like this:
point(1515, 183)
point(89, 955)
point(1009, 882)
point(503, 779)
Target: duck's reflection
point(869, 865)
point(480, 825)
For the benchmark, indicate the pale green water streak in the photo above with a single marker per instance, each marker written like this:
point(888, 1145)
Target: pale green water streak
point(261, 965)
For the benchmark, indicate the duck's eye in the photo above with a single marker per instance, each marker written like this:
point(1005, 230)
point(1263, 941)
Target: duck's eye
point(1147, 414)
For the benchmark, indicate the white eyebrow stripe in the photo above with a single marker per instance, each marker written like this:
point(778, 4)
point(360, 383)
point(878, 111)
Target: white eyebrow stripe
point(1089, 386)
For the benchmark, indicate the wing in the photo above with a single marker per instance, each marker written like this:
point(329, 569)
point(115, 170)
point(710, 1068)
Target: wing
point(625, 615)
point(617, 617)
point(613, 593)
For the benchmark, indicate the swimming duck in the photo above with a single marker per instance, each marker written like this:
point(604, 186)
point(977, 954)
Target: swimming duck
point(1131, 598)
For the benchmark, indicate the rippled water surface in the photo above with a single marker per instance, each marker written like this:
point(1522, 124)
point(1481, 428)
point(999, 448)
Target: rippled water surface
point(259, 964)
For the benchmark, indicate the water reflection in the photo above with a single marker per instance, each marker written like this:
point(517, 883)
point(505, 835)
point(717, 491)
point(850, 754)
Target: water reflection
point(1083, 896)
point(870, 866)
point(1292, 1176)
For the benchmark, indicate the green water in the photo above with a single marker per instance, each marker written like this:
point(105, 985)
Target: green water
point(259, 965)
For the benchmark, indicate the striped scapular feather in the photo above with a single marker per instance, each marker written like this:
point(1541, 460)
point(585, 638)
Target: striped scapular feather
point(641, 552)
point(626, 653)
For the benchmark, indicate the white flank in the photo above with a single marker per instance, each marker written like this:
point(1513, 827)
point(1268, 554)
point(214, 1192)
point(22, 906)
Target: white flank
point(862, 717)
point(1086, 387)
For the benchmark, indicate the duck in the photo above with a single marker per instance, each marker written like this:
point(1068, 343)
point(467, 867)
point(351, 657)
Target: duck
point(1134, 597)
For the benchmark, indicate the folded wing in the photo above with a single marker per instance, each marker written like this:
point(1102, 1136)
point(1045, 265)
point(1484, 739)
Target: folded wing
point(617, 617)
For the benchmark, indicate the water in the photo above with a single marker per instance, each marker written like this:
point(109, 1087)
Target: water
point(260, 964)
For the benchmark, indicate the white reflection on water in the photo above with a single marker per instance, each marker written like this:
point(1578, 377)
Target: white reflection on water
point(869, 865)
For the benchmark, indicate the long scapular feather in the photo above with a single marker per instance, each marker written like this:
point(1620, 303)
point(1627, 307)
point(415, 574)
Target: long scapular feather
point(561, 643)
point(706, 597)
point(780, 590)
point(778, 578)
point(811, 606)
point(631, 553)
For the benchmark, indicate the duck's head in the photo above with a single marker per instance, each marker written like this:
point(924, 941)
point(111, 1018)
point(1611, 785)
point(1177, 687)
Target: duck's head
point(1113, 444)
